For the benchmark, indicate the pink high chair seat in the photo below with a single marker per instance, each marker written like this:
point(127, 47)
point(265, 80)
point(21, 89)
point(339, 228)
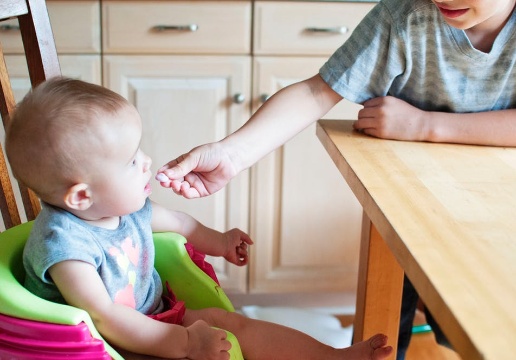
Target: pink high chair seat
point(32, 340)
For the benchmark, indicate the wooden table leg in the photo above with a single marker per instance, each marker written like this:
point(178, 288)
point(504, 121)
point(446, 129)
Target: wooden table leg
point(380, 285)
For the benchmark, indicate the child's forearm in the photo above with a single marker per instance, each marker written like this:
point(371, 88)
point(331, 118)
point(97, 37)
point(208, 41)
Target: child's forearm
point(495, 128)
point(284, 115)
point(388, 117)
point(206, 240)
point(203, 238)
point(130, 330)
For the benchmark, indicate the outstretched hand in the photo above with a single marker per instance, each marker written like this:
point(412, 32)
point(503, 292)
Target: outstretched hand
point(201, 172)
point(388, 117)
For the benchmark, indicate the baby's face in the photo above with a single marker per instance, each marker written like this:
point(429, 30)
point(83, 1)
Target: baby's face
point(122, 178)
point(480, 15)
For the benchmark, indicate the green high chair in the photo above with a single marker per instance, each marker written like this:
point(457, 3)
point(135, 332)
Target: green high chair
point(34, 328)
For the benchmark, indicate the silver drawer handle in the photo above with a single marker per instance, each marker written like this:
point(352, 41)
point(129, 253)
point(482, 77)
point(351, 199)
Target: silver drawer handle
point(331, 30)
point(191, 28)
point(8, 27)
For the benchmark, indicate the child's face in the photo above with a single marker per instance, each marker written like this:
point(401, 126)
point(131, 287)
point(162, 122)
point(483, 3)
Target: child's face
point(121, 182)
point(481, 15)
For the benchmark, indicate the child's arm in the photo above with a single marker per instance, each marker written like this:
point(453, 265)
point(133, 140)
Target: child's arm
point(208, 168)
point(122, 326)
point(392, 118)
point(232, 245)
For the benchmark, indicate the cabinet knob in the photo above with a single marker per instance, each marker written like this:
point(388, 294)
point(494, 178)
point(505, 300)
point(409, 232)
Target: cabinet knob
point(238, 98)
point(190, 27)
point(264, 97)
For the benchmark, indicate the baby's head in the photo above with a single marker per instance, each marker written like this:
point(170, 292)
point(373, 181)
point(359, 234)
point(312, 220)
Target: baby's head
point(60, 131)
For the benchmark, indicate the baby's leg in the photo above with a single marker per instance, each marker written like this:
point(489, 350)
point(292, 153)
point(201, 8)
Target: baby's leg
point(264, 340)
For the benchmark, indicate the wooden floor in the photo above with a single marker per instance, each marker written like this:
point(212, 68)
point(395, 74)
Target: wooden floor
point(422, 346)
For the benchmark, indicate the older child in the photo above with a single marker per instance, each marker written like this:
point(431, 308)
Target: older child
point(77, 145)
point(424, 70)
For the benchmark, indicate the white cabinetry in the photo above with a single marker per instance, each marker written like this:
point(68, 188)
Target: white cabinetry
point(298, 201)
point(76, 27)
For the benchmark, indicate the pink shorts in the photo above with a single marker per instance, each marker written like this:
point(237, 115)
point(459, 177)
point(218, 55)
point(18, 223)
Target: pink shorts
point(174, 310)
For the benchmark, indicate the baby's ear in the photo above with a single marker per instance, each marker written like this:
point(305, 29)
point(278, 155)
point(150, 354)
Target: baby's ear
point(78, 197)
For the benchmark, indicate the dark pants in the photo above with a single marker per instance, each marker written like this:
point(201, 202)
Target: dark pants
point(408, 311)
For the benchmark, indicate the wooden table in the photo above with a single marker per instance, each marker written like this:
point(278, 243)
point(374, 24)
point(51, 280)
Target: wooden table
point(446, 215)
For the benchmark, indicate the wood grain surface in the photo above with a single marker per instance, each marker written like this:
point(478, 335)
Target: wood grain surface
point(447, 213)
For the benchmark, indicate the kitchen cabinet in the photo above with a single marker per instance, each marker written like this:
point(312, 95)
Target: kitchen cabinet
point(76, 27)
point(297, 205)
point(196, 71)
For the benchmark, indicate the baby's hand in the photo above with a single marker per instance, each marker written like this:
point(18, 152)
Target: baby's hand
point(236, 250)
point(207, 343)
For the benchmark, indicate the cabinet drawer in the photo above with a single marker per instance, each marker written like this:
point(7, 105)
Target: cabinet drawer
point(304, 28)
point(75, 24)
point(193, 27)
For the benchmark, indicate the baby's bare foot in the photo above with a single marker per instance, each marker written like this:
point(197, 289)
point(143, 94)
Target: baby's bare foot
point(374, 348)
point(379, 348)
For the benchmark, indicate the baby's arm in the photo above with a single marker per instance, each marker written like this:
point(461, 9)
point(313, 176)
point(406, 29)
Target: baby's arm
point(232, 245)
point(122, 326)
point(392, 118)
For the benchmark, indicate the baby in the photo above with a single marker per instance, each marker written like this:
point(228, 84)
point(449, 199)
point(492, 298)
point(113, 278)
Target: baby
point(77, 145)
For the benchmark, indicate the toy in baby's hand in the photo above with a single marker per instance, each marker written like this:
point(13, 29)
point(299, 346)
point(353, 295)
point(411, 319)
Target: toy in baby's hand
point(162, 178)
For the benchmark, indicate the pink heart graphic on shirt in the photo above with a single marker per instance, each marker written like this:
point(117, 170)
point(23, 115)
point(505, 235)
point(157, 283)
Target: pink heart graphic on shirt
point(131, 251)
point(126, 297)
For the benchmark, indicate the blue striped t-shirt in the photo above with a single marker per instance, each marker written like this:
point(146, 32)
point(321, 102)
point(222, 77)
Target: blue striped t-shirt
point(404, 48)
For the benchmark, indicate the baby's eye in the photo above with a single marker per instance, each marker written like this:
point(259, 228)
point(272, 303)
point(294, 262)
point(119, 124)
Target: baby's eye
point(133, 163)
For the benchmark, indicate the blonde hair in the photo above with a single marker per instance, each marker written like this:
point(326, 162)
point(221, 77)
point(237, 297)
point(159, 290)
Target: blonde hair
point(55, 129)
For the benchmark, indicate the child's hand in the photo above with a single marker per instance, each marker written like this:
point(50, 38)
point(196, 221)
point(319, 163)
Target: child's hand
point(236, 250)
point(388, 117)
point(202, 171)
point(207, 343)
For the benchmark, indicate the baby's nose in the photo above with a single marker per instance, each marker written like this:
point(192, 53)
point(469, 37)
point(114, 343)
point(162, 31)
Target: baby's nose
point(147, 163)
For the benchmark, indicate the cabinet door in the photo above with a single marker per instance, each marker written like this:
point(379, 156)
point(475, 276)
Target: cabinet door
point(185, 101)
point(85, 67)
point(306, 223)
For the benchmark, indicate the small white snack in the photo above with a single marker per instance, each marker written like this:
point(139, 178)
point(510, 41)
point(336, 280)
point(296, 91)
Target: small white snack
point(162, 178)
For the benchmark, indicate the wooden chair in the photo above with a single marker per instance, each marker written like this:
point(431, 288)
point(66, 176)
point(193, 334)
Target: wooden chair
point(31, 327)
point(42, 62)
